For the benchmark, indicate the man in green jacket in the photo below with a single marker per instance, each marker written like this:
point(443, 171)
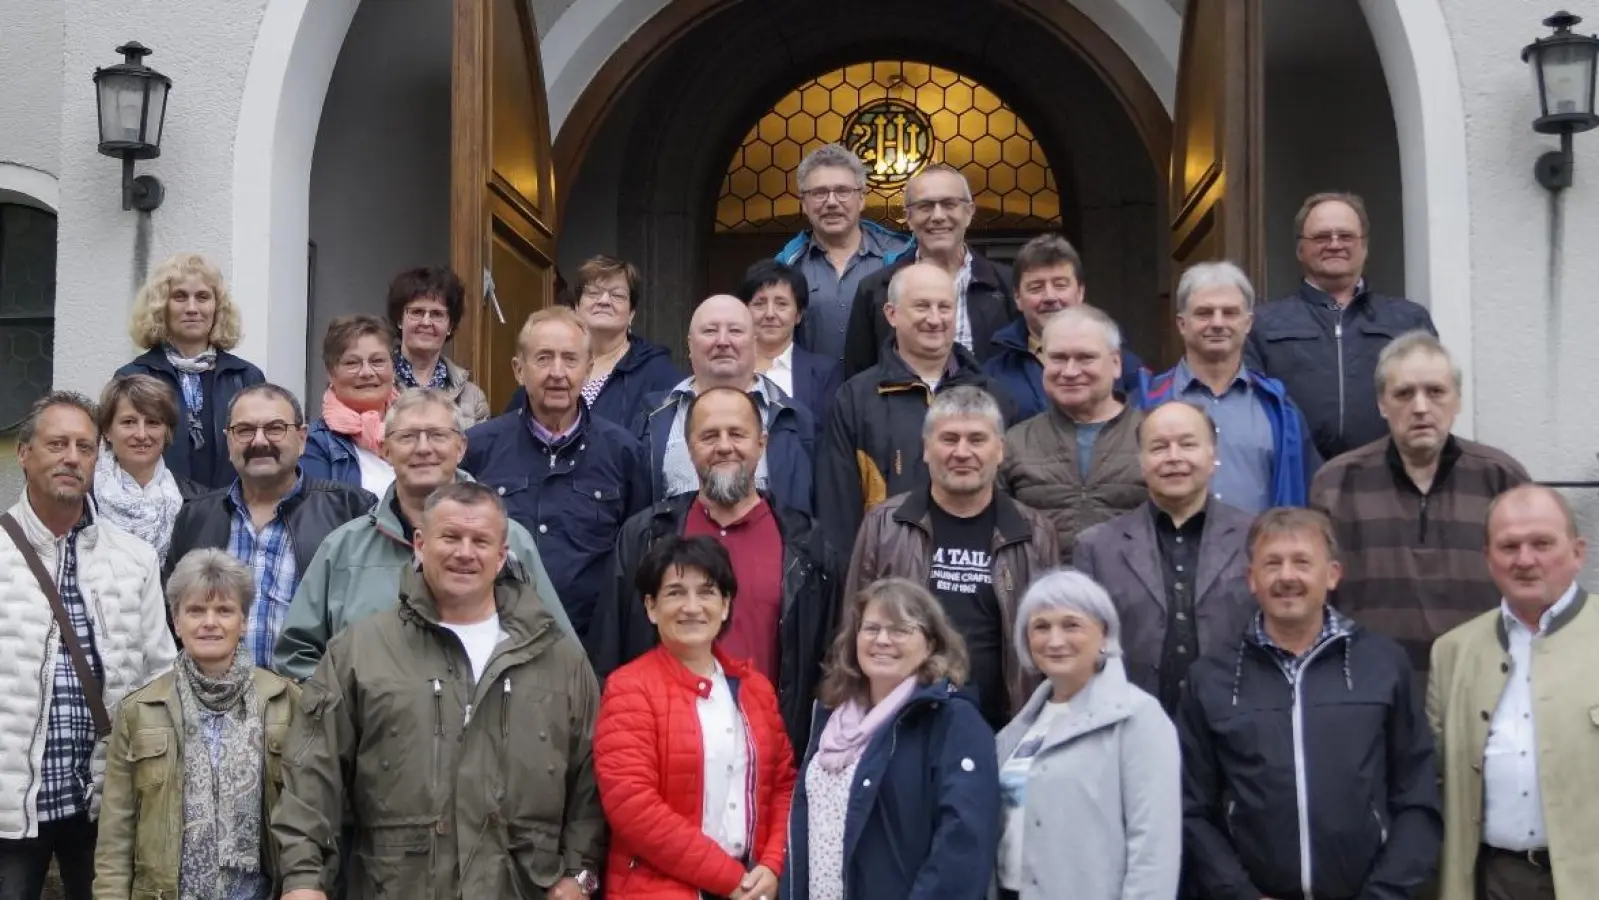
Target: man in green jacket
point(449, 738)
point(356, 571)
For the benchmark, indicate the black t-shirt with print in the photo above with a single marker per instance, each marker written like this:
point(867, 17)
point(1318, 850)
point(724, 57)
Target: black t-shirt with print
point(961, 577)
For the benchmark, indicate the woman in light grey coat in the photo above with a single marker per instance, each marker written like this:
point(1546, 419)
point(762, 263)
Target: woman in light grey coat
point(1089, 769)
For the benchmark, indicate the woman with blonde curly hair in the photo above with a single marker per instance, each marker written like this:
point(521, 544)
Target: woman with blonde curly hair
point(186, 322)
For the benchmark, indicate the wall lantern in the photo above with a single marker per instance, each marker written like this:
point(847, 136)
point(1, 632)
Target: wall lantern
point(132, 99)
point(1563, 68)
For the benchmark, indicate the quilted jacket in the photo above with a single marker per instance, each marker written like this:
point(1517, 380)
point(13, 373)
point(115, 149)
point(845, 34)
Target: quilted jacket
point(649, 764)
point(121, 584)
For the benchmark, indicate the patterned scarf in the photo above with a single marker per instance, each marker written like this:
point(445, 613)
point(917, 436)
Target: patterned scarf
point(222, 780)
point(365, 426)
point(148, 512)
point(190, 368)
point(405, 376)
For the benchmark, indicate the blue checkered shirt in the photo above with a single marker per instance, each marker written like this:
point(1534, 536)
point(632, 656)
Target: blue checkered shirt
point(69, 737)
point(270, 555)
point(1333, 625)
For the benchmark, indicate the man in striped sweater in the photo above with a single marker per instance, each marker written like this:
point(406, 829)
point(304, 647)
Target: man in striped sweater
point(1409, 508)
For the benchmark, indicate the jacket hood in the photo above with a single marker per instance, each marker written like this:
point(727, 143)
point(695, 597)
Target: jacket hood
point(522, 614)
point(639, 352)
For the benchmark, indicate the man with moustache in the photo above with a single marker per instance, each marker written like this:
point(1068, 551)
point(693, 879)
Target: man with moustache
point(566, 474)
point(1049, 278)
point(974, 547)
point(356, 572)
point(787, 573)
point(1408, 508)
point(1264, 456)
point(272, 518)
point(1322, 341)
point(1308, 767)
point(871, 446)
point(84, 625)
point(1174, 567)
point(721, 353)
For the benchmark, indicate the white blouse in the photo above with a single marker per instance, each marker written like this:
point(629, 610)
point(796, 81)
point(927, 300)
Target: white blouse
point(724, 812)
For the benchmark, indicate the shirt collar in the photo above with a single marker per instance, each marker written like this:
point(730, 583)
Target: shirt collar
point(1545, 620)
point(1186, 378)
point(551, 438)
point(236, 491)
point(871, 244)
point(1327, 299)
point(756, 513)
point(1333, 625)
point(785, 360)
point(763, 388)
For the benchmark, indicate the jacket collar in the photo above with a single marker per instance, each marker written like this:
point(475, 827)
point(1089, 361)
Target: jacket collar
point(666, 517)
point(156, 358)
point(383, 517)
point(1448, 456)
point(1010, 526)
point(700, 686)
point(521, 613)
point(1013, 337)
point(235, 494)
point(1563, 615)
point(42, 538)
point(1315, 296)
point(892, 370)
point(1104, 701)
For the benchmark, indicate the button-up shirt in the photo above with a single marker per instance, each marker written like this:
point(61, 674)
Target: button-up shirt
point(1245, 451)
point(678, 467)
point(832, 294)
point(963, 284)
point(725, 809)
point(782, 370)
point(69, 737)
point(1179, 561)
point(1512, 804)
point(270, 555)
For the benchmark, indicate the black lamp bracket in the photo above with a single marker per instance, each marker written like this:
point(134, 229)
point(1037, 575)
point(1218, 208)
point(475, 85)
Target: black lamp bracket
point(144, 192)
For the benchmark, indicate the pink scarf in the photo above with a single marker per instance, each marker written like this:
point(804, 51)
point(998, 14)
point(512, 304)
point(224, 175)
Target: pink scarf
point(366, 426)
point(852, 726)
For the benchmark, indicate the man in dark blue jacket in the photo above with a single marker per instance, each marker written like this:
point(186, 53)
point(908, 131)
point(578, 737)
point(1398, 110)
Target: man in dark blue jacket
point(1049, 278)
point(1308, 766)
point(1322, 342)
point(568, 476)
point(721, 352)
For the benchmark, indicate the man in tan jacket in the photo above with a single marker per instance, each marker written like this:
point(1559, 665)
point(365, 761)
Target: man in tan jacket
point(1514, 706)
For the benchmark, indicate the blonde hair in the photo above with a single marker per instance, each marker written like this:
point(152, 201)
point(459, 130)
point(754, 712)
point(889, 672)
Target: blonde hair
point(149, 326)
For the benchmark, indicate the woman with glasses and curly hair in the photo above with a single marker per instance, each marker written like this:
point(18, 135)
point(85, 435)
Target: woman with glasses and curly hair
point(346, 443)
point(186, 322)
point(899, 793)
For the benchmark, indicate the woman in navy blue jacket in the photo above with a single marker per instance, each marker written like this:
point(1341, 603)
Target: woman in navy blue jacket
point(898, 798)
point(186, 322)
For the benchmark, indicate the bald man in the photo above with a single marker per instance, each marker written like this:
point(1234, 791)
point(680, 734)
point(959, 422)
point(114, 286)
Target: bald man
point(1513, 699)
point(872, 442)
point(721, 353)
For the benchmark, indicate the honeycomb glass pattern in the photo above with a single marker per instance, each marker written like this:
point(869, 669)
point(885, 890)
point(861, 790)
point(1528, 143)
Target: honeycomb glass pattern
point(27, 307)
point(971, 129)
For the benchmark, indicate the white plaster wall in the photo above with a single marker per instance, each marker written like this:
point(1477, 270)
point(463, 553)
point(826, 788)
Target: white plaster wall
point(30, 70)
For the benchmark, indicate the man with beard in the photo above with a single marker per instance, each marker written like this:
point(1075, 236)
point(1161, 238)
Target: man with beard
point(1308, 767)
point(1264, 455)
point(272, 518)
point(1175, 566)
point(974, 547)
point(84, 626)
point(787, 575)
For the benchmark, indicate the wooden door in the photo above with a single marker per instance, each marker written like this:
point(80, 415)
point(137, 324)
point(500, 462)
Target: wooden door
point(1216, 160)
point(502, 186)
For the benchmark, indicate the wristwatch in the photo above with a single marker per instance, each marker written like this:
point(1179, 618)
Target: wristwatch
point(587, 882)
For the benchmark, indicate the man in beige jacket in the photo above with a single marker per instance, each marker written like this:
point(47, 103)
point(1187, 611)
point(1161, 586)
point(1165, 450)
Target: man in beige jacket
point(1514, 706)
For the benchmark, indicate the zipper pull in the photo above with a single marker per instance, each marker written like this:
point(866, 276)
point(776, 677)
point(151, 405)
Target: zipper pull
point(468, 716)
point(438, 706)
point(1338, 330)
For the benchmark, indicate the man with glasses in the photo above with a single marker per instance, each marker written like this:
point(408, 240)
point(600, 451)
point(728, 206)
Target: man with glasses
point(939, 209)
point(357, 570)
point(272, 518)
point(839, 250)
point(1322, 342)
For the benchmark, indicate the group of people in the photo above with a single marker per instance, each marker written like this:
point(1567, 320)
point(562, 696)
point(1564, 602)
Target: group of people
point(918, 584)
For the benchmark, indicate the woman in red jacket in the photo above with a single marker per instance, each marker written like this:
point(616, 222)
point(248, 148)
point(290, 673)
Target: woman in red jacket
point(694, 766)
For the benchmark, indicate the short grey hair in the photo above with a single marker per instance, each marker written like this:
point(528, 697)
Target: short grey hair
point(1084, 313)
point(831, 156)
point(1070, 590)
point(1207, 276)
point(414, 398)
point(965, 401)
point(210, 572)
point(946, 168)
point(1407, 345)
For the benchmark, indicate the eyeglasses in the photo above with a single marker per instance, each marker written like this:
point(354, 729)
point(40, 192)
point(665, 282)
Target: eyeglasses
point(823, 194)
point(618, 295)
point(896, 633)
point(1326, 238)
point(354, 366)
point(408, 437)
point(926, 207)
point(245, 432)
point(422, 314)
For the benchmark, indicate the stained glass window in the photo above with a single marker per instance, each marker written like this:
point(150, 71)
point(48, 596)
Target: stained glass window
point(27, 307)
point(897, 116)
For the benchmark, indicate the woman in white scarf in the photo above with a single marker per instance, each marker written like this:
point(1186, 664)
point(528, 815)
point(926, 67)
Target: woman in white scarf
point(133, 489)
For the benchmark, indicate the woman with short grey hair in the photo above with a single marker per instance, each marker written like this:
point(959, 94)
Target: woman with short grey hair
point(194, 765)
point(1089, 769)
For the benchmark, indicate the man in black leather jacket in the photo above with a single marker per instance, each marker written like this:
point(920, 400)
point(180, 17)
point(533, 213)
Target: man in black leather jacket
point(271, 518)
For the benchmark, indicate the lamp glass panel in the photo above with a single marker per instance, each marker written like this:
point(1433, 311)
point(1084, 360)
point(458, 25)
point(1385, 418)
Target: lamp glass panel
point(121, 104)
point(1567, 78)
point(157, 116)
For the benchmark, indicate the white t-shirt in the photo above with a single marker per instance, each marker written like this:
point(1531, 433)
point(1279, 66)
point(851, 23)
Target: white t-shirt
point(376, 473)
point(1013, 792)
point(479, 639)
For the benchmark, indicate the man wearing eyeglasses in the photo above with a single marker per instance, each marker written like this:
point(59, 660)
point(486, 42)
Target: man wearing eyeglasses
point(939, 209)
point(1322, 342)
point(357, 570)
point(839, 250)
point(272, 518)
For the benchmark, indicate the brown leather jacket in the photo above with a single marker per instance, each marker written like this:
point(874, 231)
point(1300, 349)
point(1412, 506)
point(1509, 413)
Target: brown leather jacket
point(1040, 470)
point(895, 539)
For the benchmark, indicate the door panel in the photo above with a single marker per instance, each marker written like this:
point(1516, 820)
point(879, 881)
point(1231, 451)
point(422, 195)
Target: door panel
point(502, 215)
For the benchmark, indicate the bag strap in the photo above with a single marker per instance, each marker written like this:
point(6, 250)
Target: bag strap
point(69, 634)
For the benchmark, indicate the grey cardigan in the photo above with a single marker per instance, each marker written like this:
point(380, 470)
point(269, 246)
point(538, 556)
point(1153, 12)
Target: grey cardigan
point(1103, 802)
